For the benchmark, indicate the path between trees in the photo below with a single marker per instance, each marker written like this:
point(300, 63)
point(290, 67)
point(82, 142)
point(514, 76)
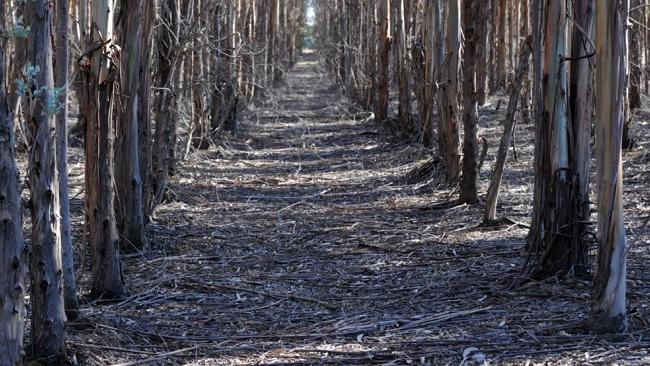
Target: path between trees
point(302, 243)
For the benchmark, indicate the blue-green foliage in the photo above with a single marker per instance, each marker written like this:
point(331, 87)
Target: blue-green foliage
point(49, 98)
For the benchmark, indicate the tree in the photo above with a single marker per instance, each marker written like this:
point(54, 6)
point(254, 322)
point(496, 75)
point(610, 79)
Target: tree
point(559, 244)
point(48, 315)
point(130, 205)
point(608, 303)
point(401, 47)
point(448, 135)
point(634, 87)
point(98, 67)
point(383, 41)
point(483, 35)
point(581, 102)
point(144, 110)
point(469, 178)
point(490, 212)
point(12, 245)
point(61, 82)
point(168, 73)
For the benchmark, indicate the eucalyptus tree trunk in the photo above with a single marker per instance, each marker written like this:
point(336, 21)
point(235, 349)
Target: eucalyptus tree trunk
point(381, 107)
point(250, 59)
point(402, 66)
point(537, 16)
point(371, 65)
point(166, 108)
point(48, 312)
point(144, 109)
point(97, 110)
point(433, 55)
point(555, 118)
point(483, 35)
point(560, 245)
point(634, 89)
point(469, 177)
point(581, 112)
point(608, 302)
point(271, 40)
point(199, 136)
point(12, 249)
point(130, 202)
point(426, 69)
point(501, 65)
point(448, 134)
point(61, 83)
point(490, 212)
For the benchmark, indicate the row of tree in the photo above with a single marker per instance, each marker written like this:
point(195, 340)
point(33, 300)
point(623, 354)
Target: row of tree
point(449, 55)
point(136, 64)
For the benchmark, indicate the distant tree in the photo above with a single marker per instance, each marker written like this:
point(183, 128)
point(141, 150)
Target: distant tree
point(402, 60)
point(383, 42)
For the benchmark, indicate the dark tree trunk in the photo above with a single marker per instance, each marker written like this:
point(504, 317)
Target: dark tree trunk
point(97, 110)
point(635, 56)
point(469, 177)
point(165, 109)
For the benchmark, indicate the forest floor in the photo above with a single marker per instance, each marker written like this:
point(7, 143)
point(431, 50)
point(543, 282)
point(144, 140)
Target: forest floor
point(302, 242)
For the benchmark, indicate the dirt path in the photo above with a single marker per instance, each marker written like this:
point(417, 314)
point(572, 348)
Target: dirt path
point(303, 244)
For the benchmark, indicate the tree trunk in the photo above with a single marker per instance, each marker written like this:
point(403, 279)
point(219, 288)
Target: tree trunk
point(372, 57)
point(97, 110)
point(634, 90)
point(483, 36)
point(469, 178)
point(61, 82)
point(581, 109)
point(608, 303)
point(448, 135)
point(144, 110)
point(403, 71)
point(381, 107)
point(501, 50)
point(198, 132)
point(537, 17)
point(490, 213)
point(12, 250)
point(48, 312)
point(130, 205)
point(558, 247)
point(426, 69)
point(166, 109)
